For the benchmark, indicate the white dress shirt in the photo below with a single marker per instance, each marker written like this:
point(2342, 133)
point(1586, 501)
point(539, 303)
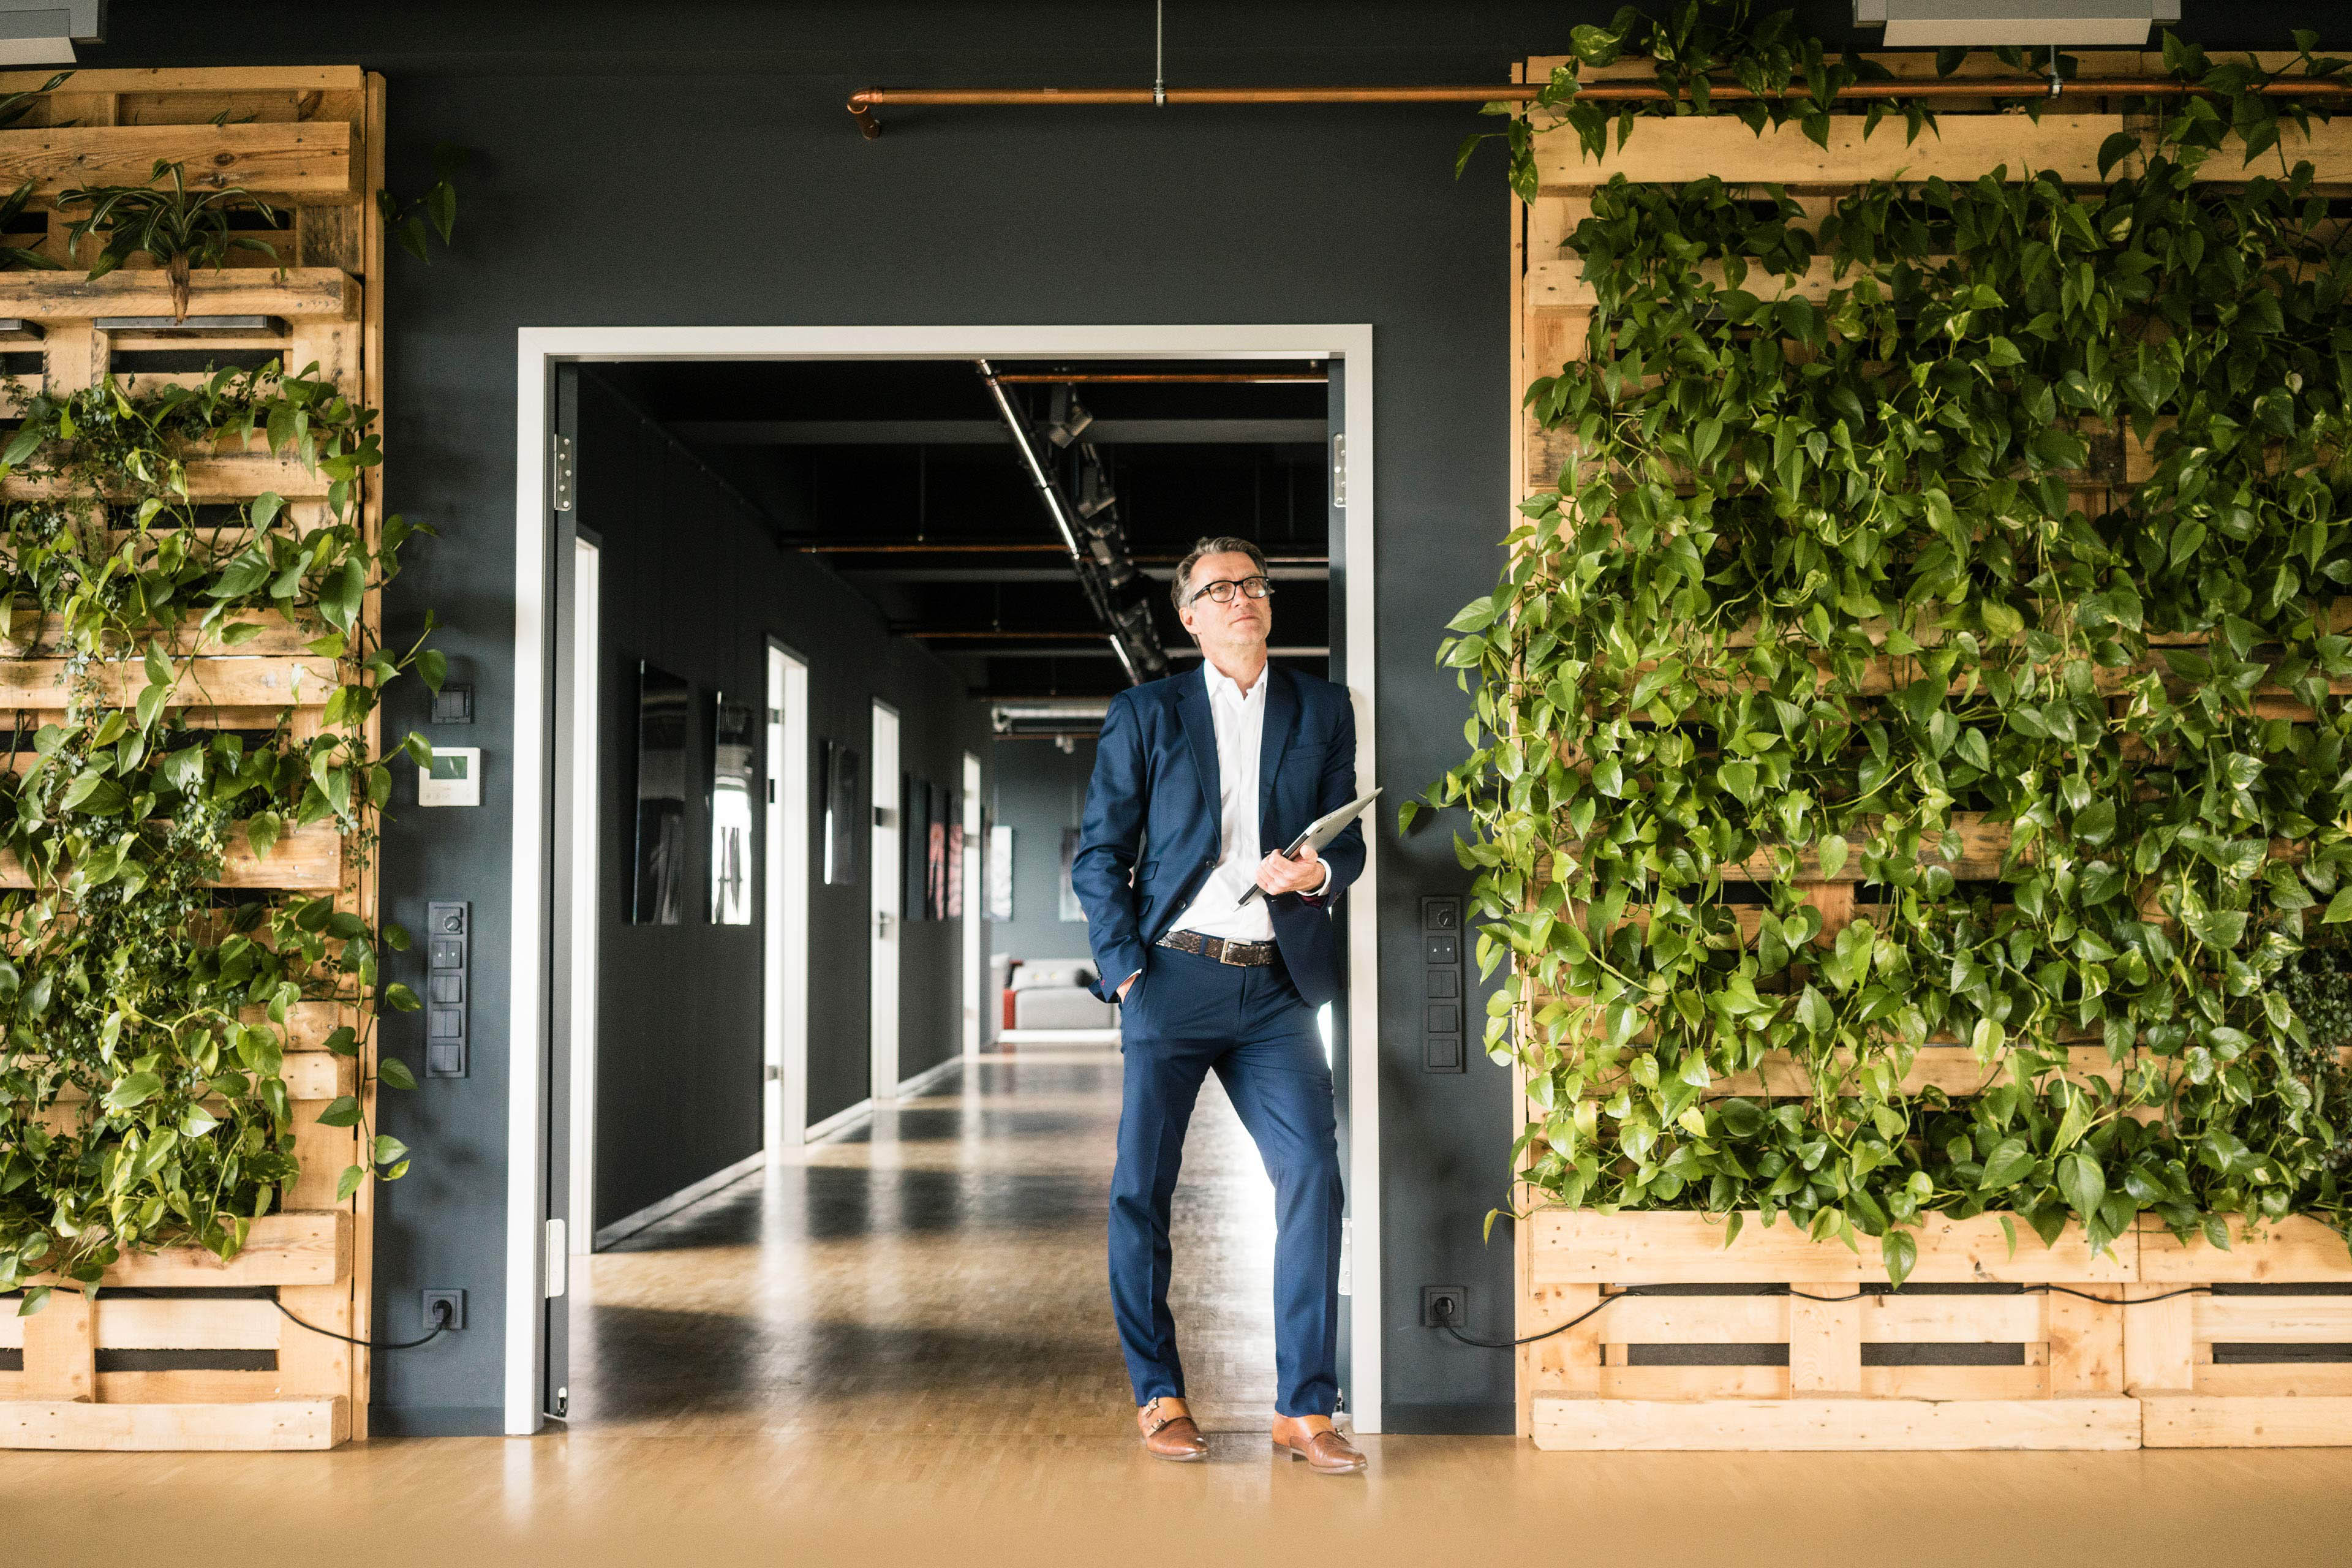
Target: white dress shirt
point(1240, 720)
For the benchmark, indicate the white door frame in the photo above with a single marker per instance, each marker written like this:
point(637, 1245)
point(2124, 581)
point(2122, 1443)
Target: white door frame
point(538, 348)
point(587, 885)
point(784, 990)
point(975, 963)
point(885, 909)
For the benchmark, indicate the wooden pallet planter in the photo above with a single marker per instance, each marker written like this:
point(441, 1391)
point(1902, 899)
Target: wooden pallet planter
point(1727, 1354)
point(2263, 1361)
point(210, 1363)
point(1775, 1369)
point(198, 1356)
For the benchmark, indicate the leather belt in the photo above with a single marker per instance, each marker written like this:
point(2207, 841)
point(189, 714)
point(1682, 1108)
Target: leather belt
point(1248, 955)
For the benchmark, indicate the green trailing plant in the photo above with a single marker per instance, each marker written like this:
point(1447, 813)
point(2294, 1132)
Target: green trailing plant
point(1701, 47)
point(11, 208)
point(144, 1012)
point(434, 213)
point(1822, 580)
point(14, 106)
point(180, 229)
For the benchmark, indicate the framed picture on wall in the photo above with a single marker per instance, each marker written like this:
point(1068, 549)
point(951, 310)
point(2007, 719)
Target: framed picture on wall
point(955, 868)
point(1072, 910)
point(998, 874)
point(935, 868)
point(733, 778)
point(665, 714)
point(840, 763)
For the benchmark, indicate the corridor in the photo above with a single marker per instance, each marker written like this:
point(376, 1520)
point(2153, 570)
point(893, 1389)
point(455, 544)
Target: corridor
point(938, 1271)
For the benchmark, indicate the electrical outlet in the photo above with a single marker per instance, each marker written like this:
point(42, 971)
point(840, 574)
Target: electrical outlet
point(456, 1300)
point(1456, 1298)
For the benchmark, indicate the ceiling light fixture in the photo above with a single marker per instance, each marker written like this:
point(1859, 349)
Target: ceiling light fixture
point(1994, 24)
point(43, 32)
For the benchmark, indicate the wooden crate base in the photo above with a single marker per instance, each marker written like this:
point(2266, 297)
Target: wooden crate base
point(1584, 1425)
point(277, 1425)
point(2201, 1421)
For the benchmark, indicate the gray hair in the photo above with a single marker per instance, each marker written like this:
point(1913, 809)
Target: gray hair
point(1224, 545)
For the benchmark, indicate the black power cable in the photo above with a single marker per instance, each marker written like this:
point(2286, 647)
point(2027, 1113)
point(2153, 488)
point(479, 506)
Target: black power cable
point(1443, 1308)
point(441, 1312)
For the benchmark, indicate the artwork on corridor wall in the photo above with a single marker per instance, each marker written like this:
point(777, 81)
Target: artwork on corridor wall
point(734, 778)
point(935, 865)
point(664, 709)
point(955, 865)
point(840, 763)
point(999, 875)
point(1072, 910)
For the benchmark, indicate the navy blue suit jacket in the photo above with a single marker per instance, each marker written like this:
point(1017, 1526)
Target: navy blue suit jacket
point(1152, 824)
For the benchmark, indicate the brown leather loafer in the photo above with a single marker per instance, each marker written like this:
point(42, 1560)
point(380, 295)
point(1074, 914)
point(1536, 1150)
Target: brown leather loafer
point(1169, 1431)
point(1314, 1439)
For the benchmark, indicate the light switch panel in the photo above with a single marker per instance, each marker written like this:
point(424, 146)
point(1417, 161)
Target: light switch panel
point(453, 777)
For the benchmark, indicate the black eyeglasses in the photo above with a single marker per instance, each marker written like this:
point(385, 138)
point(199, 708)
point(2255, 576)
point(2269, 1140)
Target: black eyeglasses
point(1222, 592)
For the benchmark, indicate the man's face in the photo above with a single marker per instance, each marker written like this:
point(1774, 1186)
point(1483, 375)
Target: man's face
point(1236, 624)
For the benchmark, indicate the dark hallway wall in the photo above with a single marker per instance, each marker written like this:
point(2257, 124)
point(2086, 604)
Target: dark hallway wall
point(1039, 791)
point(692, 165)
point(692, 582)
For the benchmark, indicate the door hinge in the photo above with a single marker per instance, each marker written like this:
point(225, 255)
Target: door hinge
point(563, 1402)
point(560, 482)
point(559, 1261)
point(1346, 1257)
point(1340, 471)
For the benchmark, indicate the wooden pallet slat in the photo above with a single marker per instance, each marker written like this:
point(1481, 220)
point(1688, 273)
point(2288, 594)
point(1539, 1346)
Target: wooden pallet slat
point(286, 1423)
point(299, 293)
point(1829, 1425)
point(293, 160)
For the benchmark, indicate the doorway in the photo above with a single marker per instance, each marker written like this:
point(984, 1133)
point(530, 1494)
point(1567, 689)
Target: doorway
point(887, 879)
point(541, 924)
point(785, 872)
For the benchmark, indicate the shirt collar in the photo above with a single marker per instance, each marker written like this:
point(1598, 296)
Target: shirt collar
point(1224, 687)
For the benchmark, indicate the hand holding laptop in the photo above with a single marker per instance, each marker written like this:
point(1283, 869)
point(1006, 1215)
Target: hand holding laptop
point(1318, 832)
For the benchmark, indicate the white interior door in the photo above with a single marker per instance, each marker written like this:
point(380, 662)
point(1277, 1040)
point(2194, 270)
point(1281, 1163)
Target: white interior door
point(586, 637)
point(974, 960)
point(889, 827)
point(785, 867)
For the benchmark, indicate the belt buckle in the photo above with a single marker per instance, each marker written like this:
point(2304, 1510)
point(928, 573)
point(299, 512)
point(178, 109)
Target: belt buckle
point(1225, 946)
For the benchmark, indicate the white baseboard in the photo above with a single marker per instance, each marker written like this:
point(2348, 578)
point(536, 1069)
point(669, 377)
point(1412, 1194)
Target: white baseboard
point(923, 1080)
point(839, 1122)
point(622, 1229)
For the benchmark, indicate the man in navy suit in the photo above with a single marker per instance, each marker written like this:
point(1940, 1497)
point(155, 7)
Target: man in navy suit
point(1204, 778)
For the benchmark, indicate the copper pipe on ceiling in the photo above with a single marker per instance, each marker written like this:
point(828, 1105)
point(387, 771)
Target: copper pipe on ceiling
point(1239, 378)
point(863, 104)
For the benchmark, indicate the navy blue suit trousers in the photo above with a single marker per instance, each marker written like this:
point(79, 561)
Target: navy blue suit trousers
point(1185, 1017)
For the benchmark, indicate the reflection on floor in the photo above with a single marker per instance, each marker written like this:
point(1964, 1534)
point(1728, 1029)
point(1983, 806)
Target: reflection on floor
point(896, 1348)
point(940, 1270)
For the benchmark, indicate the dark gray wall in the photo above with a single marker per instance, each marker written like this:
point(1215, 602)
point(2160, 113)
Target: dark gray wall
point(691, 164)
point(1038, 792)
point(692, 583)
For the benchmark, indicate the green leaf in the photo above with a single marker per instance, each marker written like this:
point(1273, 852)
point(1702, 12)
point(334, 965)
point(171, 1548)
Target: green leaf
point(394, 1071)
point(1900, 1252)
point(343, 1111)
point(389, 1150)
point(2005, 1166)
point(400, 997)
point(134, 1091)
point(349, 1182)
point(2081, 1182)
point(2339, 908)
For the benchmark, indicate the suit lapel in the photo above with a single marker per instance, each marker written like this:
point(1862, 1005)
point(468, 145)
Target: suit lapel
point(1281, 719)
point(1192, 710)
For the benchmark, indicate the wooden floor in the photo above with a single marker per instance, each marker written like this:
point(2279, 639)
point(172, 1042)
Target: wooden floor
point(900, 1343)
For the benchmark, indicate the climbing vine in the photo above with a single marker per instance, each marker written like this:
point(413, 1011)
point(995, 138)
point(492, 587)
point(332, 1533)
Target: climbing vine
point(2003, 574)
point(145, 1011)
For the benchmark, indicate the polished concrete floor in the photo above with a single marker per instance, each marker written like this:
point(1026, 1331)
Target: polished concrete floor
point(898, 1342)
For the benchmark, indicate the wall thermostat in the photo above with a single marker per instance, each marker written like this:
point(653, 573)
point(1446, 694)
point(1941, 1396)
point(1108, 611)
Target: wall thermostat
point(454, 777)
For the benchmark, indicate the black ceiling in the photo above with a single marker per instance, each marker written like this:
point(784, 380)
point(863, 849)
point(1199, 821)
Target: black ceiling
point(900, 477)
